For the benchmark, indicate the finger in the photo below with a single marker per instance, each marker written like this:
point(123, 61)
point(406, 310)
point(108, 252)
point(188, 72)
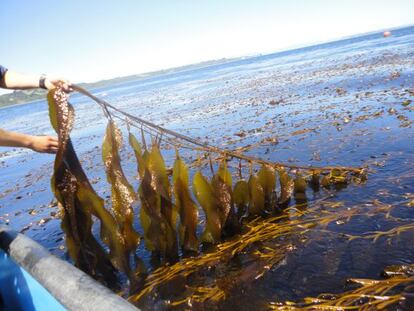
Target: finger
point(54, 144)
point(66, 87)
point(53, 141)
point(63, 83)
point(52, 138)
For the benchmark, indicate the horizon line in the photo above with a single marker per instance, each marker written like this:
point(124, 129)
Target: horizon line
point(286, 49)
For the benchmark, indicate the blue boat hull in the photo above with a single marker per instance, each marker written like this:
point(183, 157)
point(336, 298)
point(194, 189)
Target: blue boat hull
point(33, 279)
point(19, 291)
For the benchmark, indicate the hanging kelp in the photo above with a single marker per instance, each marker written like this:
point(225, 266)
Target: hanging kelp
point(204, 193)
point(314, 181)
point(241, 198)
point(159, 220)
point(77, 198)
point(267, 179)
point(123, 195)
point(257, 196)
point(186, 207)
point(221, 184)
point(286, 187)
point(225, 204)
point(140, 157)
point(142, 163)
point(299, 187)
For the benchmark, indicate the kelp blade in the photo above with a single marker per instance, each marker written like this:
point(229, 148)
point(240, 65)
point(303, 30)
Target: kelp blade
point(241, 197)
point(300, 185)
point(286, 187)
point(187, 208)
point(222, 185)
point(123, 195)
point(74, 194)
point(159, 215)
point(141, 160)
point(205, 196)
point(257, 196)
point(267, 179)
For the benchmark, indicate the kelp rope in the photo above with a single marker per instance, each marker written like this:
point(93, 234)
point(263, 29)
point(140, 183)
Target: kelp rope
point(204, 146)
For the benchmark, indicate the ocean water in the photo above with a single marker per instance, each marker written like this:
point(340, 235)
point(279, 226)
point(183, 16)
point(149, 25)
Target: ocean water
point(338, 103)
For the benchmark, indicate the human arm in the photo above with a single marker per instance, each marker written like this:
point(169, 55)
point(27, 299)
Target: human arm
point(43, 144)
point(15, 80)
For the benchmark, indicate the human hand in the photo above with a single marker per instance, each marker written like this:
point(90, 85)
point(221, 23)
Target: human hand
point(44, 144)
point(52, 82)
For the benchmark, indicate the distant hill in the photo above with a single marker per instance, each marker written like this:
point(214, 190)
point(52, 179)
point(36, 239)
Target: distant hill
point(19, 97)
point(25, 96)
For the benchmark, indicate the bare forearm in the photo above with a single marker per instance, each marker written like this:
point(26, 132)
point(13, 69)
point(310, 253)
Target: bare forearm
point(15, 80)
point(12, 139)
point(42, 144)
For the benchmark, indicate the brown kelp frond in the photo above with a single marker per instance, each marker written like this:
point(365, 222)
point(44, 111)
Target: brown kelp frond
point(76, 197)
point(371, 295)
point(165, 196)
point(123, 196)
point(257, 196)
point(204, 194)
point(286, 187)
point(187, 209)
point(241, 198)
point(267, 180)
point(375, 235)
point(139, 155)
point(222, 183)
point(158, 214)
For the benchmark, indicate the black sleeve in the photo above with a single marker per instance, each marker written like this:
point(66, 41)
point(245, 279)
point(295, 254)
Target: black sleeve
point(2, 71)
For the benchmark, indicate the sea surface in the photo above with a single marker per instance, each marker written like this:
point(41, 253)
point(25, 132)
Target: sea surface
point(343, 103)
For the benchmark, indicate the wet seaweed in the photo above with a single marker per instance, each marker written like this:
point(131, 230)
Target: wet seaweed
point(77, 199)
point(370, 295)
point(159, 214)
point(206, 287)
point(186, 207)
point(237, 213)
point(123, 197)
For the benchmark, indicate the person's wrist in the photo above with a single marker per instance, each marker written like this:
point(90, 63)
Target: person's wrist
point(28, 142)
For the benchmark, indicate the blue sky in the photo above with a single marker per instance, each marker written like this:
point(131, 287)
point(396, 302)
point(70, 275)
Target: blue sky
point(88, 40)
